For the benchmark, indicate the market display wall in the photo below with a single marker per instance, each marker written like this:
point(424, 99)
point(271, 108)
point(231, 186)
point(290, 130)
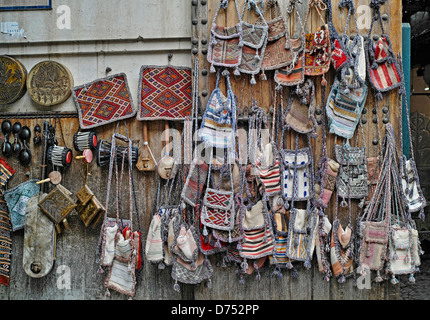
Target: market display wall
point(93, 53)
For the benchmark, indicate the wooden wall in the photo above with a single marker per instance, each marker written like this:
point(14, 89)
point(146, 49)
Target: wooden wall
point(76, 248)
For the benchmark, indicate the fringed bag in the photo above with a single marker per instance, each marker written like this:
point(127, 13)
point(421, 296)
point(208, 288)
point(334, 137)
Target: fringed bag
point(189, 274)
point(254, 42)
point(225, 43)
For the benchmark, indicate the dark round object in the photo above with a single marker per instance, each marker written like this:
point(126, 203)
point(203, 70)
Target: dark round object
point(375, 120)
point(204, 51)
point(195, 51)
point(364, 111)
point(385, 110)
point(25, 133)
point(318, 111)
point(374, 111)
point(6, 149)
point(24, 157)
point(385, 120)
point(6, 126)
point(363, 120)
point(16, 127)
point(37, 128)
point(375, 142)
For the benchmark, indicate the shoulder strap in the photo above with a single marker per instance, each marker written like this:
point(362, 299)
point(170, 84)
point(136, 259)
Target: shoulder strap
point(319, 6)
point(223, 4)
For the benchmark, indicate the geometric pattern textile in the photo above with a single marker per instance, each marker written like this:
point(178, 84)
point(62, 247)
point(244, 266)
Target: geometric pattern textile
point(103, 101)
point(164, 93)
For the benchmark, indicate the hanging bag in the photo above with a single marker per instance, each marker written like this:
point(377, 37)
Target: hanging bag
point(277, 53)
point(293, 73)
point(219, 119)
point(318, 47)
point(254, 41)
point(382, 65)
point(225, 43)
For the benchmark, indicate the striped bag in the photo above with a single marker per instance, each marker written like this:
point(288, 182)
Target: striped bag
point(270, 177)
point(344, 108)
point(195, 182)
point(293, 73)
point(257, 243)
point(219, 119)
point(374, 245)
point(382, 65)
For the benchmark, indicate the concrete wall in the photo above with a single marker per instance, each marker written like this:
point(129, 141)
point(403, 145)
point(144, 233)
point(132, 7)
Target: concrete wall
point(121, 35)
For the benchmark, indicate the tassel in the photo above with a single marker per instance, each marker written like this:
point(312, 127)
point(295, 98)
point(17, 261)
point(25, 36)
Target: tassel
point(342, 279)
point(241, 279)
point(289, 265)
point(244, 265)
point(176, 287)
point(225, 73)
point(205, 231)
point(100, 270)
point(361, 204)
point(390, 60)
point(212, 70)
point(343, 204)
point(288, 44)
point(239, 246)
point(253, 82)
point(258, 276)
point(107, 292)
point(394, 281)
point(236, 72)
point(327, 277)
point(209, 284)
point(193, 265)
point(379, 96)
point(422, 215)
point(412, 278)
point(374, 65)
point(263, 76)
point(217, 244)
point(229, 237)
point(378, 277)
point(295, 273)
point(323, 81)
point(161, 266)
point(278, 87)
point(307, 264)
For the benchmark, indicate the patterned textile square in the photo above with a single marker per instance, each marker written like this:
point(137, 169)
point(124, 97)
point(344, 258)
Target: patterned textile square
point(103, 101)
point(165, 93)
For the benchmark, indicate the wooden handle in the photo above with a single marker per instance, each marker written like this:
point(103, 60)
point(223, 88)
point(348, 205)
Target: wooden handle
point(145, 132)
point(166, 130)
point(43, 181)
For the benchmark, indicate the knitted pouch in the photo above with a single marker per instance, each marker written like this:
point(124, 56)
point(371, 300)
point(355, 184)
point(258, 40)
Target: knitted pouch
point(300, 109)
point(301, 235)
point(344, 107)
point(352, 177)
point(254, 42)
point(374, 245)
point(154, 245)
point(17, 199)
point(184, 245)
point(410, 186)
point(270, 177)
point(257, 243)
point(299, 170)
point(186, 273)
point(121, 276)
point(225, 43)
point(373, 171)
point(219, 119)
point(218, 210)
point(276, 54)
point(400, 254)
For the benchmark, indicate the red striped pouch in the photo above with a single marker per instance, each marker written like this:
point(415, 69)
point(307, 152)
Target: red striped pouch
point(271, 179)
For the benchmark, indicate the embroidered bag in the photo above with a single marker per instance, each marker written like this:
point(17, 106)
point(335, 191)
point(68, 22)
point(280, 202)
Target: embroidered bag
point(318, 46)
point(344, 107)
point(194, 184)
point(352, 178)
point(293, 73)
point(17, 199)
point(225, 43)
point(338, 54)
point(300, 109)
point(186, 273)
point(254, 42)
point(219, 119)
point(382, 65)
point(277, 53)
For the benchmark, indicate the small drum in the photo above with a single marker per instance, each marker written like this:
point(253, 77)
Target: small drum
point(103, 153)
point(59, 156)
point(85, 140)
